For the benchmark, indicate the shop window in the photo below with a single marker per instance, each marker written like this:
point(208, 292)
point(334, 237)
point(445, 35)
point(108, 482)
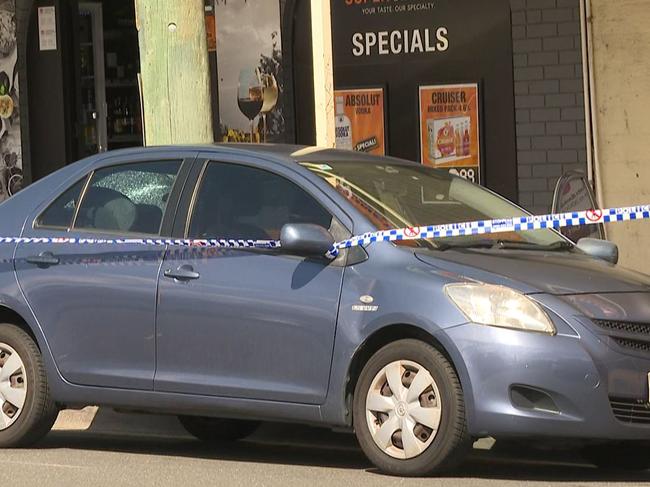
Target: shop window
point(109, 110)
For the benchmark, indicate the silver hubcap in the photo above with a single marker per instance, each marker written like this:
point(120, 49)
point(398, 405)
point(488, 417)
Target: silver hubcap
point(403, 409)
point(13, 386)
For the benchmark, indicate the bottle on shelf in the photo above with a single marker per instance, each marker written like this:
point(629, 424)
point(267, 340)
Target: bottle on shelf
point(134, 107)
point(126, 116)
point(137, 122)
point(117, 117)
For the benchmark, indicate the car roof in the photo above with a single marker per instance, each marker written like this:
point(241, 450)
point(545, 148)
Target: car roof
point(288, 153)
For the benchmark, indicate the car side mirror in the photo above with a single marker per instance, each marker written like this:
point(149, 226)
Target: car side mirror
point(306, 239)
point(574, 192)
point(602, 249)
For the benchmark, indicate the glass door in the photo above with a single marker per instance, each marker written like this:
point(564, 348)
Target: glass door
point(122, 65)
point(92, 122)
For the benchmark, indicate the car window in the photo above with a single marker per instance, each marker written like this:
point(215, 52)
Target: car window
point(240, 202)
point(130, 198)
point(60, 213)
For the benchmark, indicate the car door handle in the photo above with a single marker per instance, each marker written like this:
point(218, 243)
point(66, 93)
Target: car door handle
point(44, 259)
point(183, 273)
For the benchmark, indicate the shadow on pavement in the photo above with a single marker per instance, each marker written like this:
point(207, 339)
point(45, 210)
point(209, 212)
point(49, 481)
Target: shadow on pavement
point(305, 446)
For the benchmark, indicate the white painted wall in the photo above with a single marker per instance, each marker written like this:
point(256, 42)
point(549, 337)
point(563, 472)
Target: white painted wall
point(323, 72)
point(621, 84)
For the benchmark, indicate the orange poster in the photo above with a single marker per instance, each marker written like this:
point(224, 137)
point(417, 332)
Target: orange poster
point(211, 31)
point(360, 120)
point(449, 129)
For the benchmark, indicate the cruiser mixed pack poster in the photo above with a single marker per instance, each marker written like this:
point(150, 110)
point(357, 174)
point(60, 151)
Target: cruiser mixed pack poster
point(449, 129)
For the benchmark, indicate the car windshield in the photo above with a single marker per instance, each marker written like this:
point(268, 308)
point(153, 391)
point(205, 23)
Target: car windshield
point(393, 195)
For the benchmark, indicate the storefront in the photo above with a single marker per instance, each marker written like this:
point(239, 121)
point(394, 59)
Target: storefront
point(81, 68)
point(79, 64)
point(428, 80)
point(11, 177)
point(444, 73)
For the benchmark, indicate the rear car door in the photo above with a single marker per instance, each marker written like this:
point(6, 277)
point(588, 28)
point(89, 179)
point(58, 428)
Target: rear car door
point(249, 323)
point(96, 303)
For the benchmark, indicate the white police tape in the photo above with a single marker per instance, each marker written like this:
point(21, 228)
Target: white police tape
point(505, 225)
point(210, 243)
point(480, 227)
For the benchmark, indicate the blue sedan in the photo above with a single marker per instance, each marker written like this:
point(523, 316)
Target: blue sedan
point(420, 347)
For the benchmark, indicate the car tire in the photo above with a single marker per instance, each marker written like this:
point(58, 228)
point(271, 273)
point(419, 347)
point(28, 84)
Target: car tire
point(432, 448)
point(24, 380)
point(631, 456)
point(217, 430)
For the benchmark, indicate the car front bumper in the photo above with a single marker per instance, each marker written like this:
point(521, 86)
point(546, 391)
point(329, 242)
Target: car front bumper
point(564, 386)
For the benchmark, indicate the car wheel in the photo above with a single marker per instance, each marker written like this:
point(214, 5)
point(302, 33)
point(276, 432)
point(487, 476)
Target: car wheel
point(409, 413)
point(619, 455)
point(27, 411)
point(215, 430)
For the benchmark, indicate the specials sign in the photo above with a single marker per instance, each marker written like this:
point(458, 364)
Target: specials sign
point(397, 42)
point(388, 28)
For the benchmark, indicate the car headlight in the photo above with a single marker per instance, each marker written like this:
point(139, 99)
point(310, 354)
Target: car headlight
point(500, 306)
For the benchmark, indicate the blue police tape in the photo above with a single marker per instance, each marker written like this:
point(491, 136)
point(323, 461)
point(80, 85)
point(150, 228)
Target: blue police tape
point(480, 227)
point(505, 225)
point(207, 243)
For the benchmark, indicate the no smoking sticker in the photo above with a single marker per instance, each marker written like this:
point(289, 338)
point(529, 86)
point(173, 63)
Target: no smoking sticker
point(412, 232)
point(594, 215)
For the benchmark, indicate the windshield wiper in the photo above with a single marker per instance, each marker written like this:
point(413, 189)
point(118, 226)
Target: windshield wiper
point(470, 244)
point(504, 244)
point(555, 246)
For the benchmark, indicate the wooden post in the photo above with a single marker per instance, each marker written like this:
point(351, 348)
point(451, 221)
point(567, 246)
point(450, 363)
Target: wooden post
point(174, 71)
point(321, 26)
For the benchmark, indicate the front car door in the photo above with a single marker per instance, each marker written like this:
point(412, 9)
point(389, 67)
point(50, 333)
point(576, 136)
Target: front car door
point(96, 303)
point(255, 324)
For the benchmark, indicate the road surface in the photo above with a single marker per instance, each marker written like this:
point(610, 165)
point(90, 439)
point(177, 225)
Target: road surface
point(278, 455)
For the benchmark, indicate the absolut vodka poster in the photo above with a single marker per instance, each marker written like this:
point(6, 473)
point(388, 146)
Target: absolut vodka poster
point(360, 120)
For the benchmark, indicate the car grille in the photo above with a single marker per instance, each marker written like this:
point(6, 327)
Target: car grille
point(631, 411)
point(625, 326)
point(628, 334)
point(633, 344)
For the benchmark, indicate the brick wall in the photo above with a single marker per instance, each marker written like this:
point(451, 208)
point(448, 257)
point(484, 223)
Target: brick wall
point(549, 97)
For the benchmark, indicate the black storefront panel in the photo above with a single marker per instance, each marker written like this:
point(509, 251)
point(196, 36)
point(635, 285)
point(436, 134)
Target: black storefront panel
point(414, 48)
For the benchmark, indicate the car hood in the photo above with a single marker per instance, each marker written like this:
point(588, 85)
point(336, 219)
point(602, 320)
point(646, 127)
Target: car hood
point(557, 273)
